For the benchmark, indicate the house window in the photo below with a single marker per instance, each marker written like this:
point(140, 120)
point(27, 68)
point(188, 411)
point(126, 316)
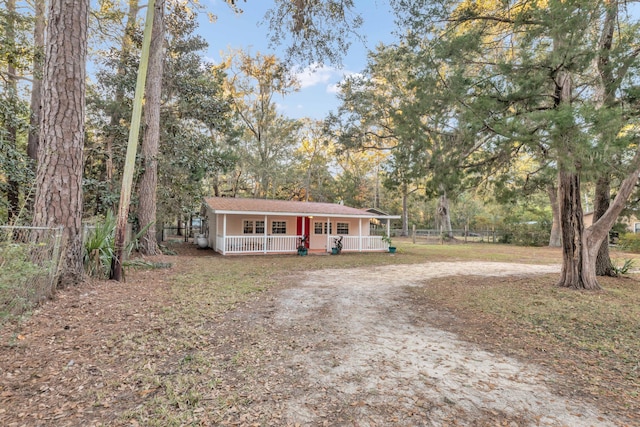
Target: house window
point(342, 227)
point(279, 227)
point(321, 228)
point(636, 227)
point(252, 227)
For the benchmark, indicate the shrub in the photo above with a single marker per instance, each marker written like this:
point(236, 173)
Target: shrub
point(99, 247)
point(534, 234)
point(20, 278)
point(630, 242)
point(624, 268)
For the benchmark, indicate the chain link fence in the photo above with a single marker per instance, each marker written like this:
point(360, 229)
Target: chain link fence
point(29, 261)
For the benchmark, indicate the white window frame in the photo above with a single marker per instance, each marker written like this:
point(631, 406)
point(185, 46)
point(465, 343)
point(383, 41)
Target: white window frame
point(255, 225)
point(282, 227)
point(323, 226)
point(342, 225)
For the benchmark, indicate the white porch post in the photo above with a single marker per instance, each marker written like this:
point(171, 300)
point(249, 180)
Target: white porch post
point(359, 234)
point(388, 228)
point(224, 234)
point(328, 234)
point(304, 221)
point(264, 245)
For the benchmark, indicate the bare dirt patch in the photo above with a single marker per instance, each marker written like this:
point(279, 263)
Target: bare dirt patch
point(326, 347)
point(378, 359)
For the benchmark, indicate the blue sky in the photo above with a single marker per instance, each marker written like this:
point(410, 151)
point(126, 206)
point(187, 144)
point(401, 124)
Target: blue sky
point(317, 96)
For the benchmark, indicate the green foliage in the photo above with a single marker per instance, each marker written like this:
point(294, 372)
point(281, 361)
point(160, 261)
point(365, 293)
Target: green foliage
point(17, 274)
point(316, 31)
point(512, 119)
point(16, 58)
point(624, 268)
point(532, 234)
point(630, 242)
point(311, 170)
point(99, 247)
point(194, 119)
point(266, 140)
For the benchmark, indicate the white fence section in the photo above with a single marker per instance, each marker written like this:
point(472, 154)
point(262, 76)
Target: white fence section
point(257, 244)
point(362, 243)
point(285, 244)
point(371, 243)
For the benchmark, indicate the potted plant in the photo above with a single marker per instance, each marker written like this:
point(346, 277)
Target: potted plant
point(302, 246)
point(387, 240)
point(337, 246)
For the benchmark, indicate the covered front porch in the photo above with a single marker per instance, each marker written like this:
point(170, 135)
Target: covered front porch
point(317, 234)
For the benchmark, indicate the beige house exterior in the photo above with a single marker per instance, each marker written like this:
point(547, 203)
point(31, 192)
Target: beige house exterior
point(259, 226)
point(632, 223)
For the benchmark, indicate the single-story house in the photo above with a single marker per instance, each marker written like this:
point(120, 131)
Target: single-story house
point(260, 226)
point(631, 222)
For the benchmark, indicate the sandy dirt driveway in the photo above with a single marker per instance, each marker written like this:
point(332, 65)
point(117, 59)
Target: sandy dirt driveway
point(360, 357)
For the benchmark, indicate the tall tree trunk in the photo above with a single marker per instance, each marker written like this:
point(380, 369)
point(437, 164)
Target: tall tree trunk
point(307, 183)
point(555, 239)
point(405, 211)
point(179, 226)
point(58, 199)
point(578, 263)
point(604, 267)
point(444, 216)
point(36, 88)
point(13, 185)
point(578, 267)
point(151, 138)
point(580, 247)
point(605, 96)
point(132, 146)
point(116, 113)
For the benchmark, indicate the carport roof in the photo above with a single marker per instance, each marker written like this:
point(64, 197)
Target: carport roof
point(231, 205)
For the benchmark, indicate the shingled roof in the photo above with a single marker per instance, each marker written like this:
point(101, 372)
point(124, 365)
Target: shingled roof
point(232, 205)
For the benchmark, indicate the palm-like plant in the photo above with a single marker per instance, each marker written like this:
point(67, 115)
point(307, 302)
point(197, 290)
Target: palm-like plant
point(99, 247)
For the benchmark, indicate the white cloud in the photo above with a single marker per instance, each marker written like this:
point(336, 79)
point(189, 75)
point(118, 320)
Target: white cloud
point(333, 88)
point(315, 75)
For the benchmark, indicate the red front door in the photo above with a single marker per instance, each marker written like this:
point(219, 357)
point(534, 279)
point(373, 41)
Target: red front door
point(304, 231)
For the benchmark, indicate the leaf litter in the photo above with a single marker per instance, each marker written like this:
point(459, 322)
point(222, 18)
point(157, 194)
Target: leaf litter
point(329, 347)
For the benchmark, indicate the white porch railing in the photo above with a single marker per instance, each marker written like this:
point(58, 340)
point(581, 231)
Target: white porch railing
point(257, 244)
point(369, 243)
point(284, 244)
